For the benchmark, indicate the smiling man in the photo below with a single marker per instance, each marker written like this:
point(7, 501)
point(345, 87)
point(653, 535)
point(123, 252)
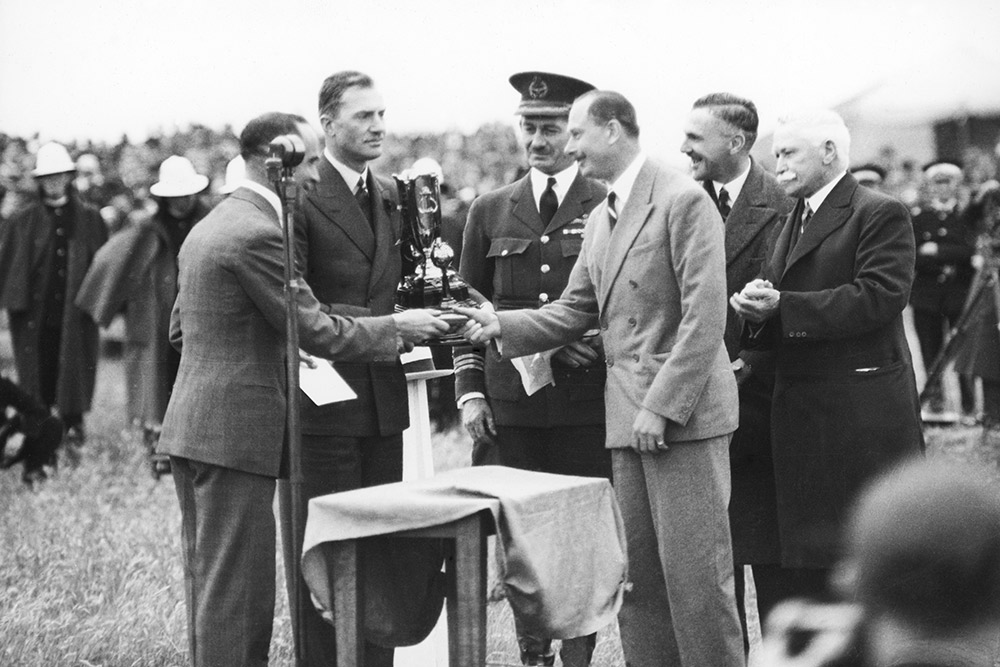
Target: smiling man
point(829, 304)
point(651, 275)
point(718, 135)
point(520, 245)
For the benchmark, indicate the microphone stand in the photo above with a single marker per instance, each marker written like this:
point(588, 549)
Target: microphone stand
point(280, 172)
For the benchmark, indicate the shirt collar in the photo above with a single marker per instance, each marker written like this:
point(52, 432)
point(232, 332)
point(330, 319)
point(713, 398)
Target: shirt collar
point(623, 186)
point(818, 197)
point(349, 175)
point(733, 187)
point(564, 179)
point(267, 193)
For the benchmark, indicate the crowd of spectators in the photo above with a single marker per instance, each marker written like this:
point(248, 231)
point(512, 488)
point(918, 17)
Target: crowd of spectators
point(116, 177)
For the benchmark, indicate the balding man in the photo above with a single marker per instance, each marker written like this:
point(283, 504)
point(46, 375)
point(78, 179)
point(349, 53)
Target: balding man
point(651, 276)
point(830, 303)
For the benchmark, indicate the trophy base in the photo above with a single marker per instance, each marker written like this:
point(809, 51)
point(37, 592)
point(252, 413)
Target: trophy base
point(428, 294)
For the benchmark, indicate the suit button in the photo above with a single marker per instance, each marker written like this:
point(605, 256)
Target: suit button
point(635, 357)
point(504, 253)
point(544, 239)
point(60, 231)
point(611, 362)
point(545, 268)
point(60, 252)
point(543, 297)
point(633, 284)
point(631, 321)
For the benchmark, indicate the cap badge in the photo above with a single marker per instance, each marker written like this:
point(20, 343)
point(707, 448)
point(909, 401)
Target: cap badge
point(538, 88)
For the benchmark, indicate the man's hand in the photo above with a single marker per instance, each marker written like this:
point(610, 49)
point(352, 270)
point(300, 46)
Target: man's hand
point(757, 303)
point(741, 370)
point(478, 420)
point(482, 327)
point(307, 359)
point(647, 432)
point(417, 325)
point(576, 355)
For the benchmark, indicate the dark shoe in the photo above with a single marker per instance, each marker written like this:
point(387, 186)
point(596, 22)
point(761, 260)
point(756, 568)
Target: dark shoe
point(74, 440)
point(32, 477)
point(42, 446)
point(536, 651)
point(159, 465)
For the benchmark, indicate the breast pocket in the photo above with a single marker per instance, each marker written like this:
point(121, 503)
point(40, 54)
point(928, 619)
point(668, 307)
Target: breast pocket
point(510, 258)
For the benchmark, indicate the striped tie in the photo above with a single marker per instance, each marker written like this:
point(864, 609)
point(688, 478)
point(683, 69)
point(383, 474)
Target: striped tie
point(612, 211)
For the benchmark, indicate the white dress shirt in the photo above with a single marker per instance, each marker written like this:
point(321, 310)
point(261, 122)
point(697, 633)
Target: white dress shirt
point(564, 179)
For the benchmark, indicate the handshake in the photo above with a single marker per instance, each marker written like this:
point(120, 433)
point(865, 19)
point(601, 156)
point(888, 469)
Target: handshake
point(418, 325)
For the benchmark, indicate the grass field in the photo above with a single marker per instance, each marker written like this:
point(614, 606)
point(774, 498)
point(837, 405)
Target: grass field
point(90, 568)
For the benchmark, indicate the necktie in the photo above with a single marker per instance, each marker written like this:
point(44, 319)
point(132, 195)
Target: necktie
point(807, 214)
point(548, 204)
point(612, 211)
point(724, 207)
point(364, 201)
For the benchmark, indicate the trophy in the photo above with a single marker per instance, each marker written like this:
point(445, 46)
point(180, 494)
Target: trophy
point(432, 283)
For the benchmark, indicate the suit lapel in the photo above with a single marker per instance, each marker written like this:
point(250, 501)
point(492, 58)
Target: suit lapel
point(631, 220)
point(385, 233)
point(335, 200)
point(748, 216)
point(832, 213)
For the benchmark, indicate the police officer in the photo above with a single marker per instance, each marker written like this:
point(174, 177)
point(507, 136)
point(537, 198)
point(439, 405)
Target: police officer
point(944, 273)
point(520, 244)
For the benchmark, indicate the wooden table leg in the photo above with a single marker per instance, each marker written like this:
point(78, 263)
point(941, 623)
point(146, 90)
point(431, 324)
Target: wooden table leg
point(467, 606)
point(348, 603)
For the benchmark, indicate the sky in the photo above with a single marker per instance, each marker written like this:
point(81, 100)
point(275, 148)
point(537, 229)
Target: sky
point(72, 69)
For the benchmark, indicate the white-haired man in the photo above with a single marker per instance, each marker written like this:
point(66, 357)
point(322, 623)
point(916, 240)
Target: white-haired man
point(835, 281)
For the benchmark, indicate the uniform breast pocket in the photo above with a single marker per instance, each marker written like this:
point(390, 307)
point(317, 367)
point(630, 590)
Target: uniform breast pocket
point(571, 247)
point(510, 259)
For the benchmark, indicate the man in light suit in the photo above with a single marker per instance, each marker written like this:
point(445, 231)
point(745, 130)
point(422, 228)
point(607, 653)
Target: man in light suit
point(829, 304)
point(650, 275)
point(224, 426)
point(521, 243)
point(347, 242)
point(718, 135)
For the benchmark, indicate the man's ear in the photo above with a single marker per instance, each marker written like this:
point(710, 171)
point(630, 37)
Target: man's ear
point(737, 142)
point(829, 152)
point(613, 130)
point(326, 123)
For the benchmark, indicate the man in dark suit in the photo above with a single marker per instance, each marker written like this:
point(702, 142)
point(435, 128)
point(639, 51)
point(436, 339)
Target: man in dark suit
point(347, 239)
point(830, 305)
point(520, 244)
point(650, 275)
point(224, 426)
point(718, 135)
point(45, 251)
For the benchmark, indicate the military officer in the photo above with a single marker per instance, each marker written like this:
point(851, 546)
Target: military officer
point(520, 244)
point(944, 273)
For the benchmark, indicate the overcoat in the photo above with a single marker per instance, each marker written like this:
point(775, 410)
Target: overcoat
point(354, 273)
point(228, 405)
point(845, 401)
point(655, 286)
point(516, 261)
point(135, 273)
point(760, 206)
point(25, 241)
